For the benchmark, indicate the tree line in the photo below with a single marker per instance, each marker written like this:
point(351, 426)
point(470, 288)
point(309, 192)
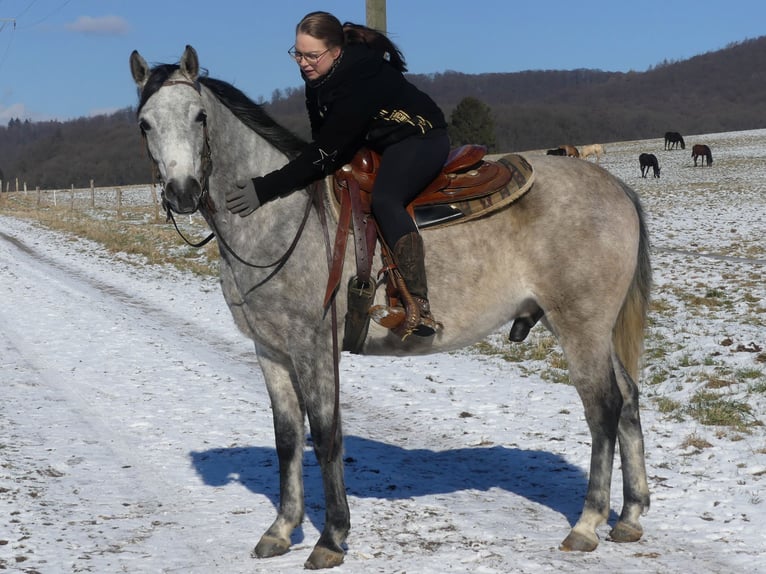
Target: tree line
point(717, 91)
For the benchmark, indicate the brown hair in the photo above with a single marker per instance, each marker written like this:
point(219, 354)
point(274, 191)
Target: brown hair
point(326, 27)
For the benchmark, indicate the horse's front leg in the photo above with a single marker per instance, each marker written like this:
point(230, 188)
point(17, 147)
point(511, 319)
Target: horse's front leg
point(289, 433)
point(319, 389)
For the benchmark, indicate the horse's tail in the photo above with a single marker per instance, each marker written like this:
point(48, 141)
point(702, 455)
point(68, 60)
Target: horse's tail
point(629, 330)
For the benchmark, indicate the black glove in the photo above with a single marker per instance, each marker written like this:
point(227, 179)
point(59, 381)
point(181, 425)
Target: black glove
point(242, 198)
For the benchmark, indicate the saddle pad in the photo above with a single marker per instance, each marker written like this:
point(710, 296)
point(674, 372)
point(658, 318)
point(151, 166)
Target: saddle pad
point(470, 208)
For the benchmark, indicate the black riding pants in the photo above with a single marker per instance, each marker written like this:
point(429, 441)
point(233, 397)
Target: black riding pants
point(406, 169)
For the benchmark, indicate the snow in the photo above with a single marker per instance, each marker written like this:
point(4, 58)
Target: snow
point(136, 435)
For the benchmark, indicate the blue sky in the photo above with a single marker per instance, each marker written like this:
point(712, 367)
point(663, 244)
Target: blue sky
point(64, 59)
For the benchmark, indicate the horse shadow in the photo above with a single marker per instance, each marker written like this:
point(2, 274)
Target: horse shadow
point(380, 470)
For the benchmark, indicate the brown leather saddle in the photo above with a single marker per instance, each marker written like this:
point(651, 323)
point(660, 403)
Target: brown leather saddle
point(468, 187)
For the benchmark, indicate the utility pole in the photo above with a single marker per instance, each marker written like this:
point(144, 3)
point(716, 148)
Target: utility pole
point(376, 14)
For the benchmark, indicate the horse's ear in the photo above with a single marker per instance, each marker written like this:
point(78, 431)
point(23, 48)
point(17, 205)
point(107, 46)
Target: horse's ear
point(190, 63)
point(139, 68)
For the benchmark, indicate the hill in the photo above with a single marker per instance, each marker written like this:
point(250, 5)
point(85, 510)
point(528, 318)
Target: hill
point(712, 92)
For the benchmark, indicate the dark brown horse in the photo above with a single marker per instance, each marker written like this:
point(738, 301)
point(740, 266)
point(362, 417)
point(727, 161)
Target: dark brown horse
point(647, 160)
point(673, 140)
point(570, 150)
point(703, 151)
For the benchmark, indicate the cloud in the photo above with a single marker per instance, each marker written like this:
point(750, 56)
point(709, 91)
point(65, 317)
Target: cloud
point(12, 112)
point(102, 26)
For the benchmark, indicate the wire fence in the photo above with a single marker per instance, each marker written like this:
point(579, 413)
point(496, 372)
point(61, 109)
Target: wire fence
point(122, 200)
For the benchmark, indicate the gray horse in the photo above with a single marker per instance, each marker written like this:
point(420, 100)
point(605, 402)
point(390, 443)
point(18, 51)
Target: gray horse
point(574, 249)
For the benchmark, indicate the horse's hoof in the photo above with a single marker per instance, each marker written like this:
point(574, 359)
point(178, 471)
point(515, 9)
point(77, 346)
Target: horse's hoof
point(624, 532)
point(577, 542)
point(322, 557)
point(269, 546)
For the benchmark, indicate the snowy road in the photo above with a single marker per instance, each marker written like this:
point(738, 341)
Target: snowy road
point(135, 436)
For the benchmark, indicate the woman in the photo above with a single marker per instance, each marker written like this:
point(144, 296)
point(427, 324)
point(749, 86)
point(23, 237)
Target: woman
point(357, 95)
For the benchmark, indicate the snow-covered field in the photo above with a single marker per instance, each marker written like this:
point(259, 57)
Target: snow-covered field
point(135, 430)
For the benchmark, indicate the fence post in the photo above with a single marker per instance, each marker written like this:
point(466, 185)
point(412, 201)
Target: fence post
point(71, 203)
point(119, 203)
point(92, 195)
point(39, 197)
point(156, 202)
point(17, 184)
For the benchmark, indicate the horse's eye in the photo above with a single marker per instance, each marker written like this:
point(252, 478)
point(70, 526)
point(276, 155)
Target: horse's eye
point(144, 126)
point(202, 117)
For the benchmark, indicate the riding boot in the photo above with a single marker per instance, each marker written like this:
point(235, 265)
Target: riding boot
point(409, 255)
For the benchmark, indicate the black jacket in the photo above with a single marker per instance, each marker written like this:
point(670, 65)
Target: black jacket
point(362, 101)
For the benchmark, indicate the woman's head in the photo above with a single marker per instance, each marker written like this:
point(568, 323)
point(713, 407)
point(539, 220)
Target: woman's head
point(320, 38)
point(319, 41)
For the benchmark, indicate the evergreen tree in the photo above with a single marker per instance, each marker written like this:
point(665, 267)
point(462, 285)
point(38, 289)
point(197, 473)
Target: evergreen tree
point(471, 123)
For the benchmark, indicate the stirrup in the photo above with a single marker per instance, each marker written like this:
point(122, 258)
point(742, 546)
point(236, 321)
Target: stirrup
point(393, 318)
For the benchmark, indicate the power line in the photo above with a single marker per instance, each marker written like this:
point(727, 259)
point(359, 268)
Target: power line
point(3, 23)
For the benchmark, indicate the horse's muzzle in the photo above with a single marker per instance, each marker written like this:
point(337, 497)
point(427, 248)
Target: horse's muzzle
point(182, 196)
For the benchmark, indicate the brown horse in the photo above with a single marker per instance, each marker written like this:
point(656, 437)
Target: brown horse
point(571, 151)
point(703, 151)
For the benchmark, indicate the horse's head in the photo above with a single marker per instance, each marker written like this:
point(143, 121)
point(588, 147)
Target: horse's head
point(172, 119)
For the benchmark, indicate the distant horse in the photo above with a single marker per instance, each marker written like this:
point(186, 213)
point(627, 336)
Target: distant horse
point(571, 151)
point(703, 151)
point(647, 160)
point(556, 151)
point(573, 251)
point(593, 149)
point(673, 140)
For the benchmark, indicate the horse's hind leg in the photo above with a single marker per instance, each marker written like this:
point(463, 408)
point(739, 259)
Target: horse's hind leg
point(592, 374)
point(634, 485)
point(289, 433)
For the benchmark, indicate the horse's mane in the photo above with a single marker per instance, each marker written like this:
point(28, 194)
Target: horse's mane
point(248, 112)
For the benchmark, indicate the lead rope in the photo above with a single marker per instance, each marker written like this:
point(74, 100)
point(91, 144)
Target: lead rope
point(334, 322)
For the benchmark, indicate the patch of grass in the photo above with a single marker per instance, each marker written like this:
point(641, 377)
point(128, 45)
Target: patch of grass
point(557, 376)
point(668, 406)
point(713, 298)
point(695, 441)
point(660, 305)
point(659, 375)
point(133, 231)
point(713, 409)
point(749, 373)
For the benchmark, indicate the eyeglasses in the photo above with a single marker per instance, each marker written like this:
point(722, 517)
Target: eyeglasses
point(311, 59)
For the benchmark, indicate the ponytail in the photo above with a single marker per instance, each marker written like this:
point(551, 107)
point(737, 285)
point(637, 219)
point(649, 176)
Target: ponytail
point(378, 41)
